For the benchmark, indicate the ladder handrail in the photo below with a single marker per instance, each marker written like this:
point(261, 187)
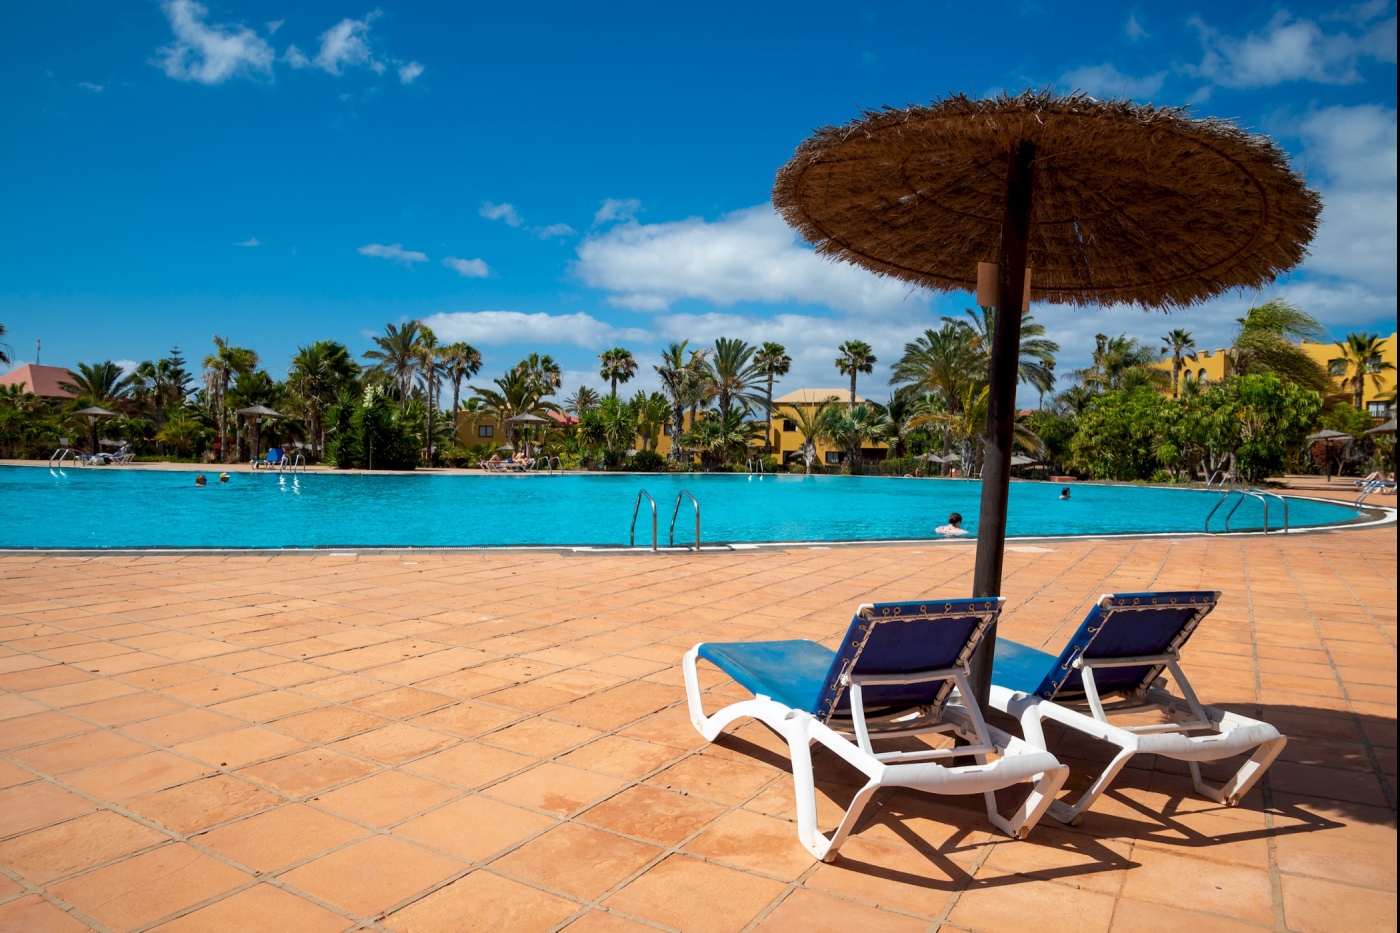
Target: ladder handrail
point(676, 511)
point(1368, 487)
point(632, 532)
point(1218, 503)
point(1260, 495)
point(62, 454)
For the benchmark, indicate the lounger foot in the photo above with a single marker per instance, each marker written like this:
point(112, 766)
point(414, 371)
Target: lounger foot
point(1233, 791)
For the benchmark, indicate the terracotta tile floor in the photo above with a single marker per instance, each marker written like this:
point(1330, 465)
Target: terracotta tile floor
point(491, 742)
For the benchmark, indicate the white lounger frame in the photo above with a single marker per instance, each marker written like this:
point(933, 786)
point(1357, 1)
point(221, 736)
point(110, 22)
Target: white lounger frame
point(1019, 762)
point(1227, 735)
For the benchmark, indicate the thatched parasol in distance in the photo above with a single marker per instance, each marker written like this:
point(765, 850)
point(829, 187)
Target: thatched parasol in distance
point(1107, 202)
point(253, 414)
point(92, 413)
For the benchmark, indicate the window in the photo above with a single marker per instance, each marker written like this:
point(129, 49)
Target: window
point(788, 425)
point(1379, 409)
point(485, 430)
point(1337, 368)
point(1205, 380)
point(833, 456)
point(666, 430)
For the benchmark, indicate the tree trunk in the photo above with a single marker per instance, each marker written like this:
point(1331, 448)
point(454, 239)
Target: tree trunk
point(853, 389)
point(768, 431)
point(1001, 408)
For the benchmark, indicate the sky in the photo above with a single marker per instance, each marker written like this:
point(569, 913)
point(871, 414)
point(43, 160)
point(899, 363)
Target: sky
point(561, 179)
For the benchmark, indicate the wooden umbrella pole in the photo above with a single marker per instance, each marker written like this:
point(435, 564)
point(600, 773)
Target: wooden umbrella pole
point(1001, 403)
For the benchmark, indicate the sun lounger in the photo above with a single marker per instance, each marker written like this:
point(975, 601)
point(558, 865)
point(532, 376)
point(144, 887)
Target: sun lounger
point(1119, 653)
point(275, 456)
point(897, 673)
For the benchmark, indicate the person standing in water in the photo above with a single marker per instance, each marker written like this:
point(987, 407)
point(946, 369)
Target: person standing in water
point(1064, 493)
point(200, 480)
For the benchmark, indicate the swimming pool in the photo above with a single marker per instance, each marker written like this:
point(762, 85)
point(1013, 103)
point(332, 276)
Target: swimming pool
point(115, 508)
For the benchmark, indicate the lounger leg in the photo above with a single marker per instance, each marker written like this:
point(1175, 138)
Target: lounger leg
point(1075, 815)
point(1245, 778)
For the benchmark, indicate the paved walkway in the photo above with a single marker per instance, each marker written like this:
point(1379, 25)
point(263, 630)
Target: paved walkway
point(498, 742)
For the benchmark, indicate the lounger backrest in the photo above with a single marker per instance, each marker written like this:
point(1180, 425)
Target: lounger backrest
point(904, 638)
point(1125, 625)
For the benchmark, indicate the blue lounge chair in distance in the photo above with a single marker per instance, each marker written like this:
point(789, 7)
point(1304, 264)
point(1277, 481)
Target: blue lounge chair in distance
point(901, 670)
point(1119, 653)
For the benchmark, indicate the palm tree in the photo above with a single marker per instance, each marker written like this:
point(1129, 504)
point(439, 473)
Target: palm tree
point(854, 428)
point(544, 371)
point(771, 361)
point(1077, 398)
point(460, 361)
point(720, 437)
point(101, 384)
point(685, 381)
point(652, 412)
point(159, 383)
point(857, 356)
point(5, 350)
point(1266, 339)
point(584, 399)
point(221, 367)
point(943, 362)
point(319, 373)
point(810, 421)
point(430, 371)
point(399, 355)
point(1361, 359)
point(1115, 358)
point(1182, 346)
point(181, 431)
point(1036, 363)
point(618, 366)
point(732, 372)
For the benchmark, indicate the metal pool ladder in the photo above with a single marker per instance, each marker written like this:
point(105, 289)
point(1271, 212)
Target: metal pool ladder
point(632, 532)
point(62, 455)
point(684, 494)
point(1253, 492)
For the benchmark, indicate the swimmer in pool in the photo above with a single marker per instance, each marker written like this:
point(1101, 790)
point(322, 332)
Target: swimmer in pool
point(1064, 493)
point(223, 477)
point(954, 527)
point(200, 480)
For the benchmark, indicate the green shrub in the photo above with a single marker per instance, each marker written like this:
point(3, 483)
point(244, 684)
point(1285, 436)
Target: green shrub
point(647, 461)
point(899, 466)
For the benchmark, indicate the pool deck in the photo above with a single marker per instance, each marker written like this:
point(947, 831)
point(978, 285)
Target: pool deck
point(420, 743)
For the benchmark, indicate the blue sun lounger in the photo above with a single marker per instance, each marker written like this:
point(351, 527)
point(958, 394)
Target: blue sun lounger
point(1119, 653)
point(901, 670)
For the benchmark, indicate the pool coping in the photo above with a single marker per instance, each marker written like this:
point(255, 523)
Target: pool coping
point(1374, 516)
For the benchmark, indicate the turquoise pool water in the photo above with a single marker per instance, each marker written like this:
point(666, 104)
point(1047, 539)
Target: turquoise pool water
point(115, 508)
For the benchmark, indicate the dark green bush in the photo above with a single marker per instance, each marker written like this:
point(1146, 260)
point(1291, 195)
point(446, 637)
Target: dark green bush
point(646, 461)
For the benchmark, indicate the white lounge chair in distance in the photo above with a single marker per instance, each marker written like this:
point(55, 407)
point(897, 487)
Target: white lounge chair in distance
point(1119, 653)
point(898, 671)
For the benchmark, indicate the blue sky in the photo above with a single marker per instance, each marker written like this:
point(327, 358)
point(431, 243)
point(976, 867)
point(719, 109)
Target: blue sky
point(532, 177)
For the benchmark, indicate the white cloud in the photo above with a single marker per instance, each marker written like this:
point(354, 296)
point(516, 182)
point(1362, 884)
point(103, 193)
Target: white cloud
point(468, 268)
point(748, 255)
point(295, 57)
point(504, 212)
point(410, 72)
point(1106, 81)
point(394, 252)
point(538, 330)
point(619, 209)
point(555, 230)
point(1290, 49)
point(127, 366)
point(274, 25)
point(95, 88)
point(251, 241)
point(210, 53)
point(1134, 29)
point(346, 44)
point(1352, 151)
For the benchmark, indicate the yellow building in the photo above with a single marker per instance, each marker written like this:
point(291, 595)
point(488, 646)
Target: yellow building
point(481, 428)
point(1214, 365)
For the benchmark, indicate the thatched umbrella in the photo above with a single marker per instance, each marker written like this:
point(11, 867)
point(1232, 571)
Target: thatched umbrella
point(92, 413)
point(528, 419)
point(252, 414)
point(1387, 428)
point(1106, 201)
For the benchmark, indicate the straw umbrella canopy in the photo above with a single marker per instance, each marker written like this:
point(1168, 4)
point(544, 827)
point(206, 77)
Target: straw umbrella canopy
point(92, 413)
point(1107, 202)
point(528, 418)
point(253, 413)
point(1387, 428)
